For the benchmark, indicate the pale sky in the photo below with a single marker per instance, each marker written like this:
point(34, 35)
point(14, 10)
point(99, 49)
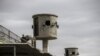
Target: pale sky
point(79, 22)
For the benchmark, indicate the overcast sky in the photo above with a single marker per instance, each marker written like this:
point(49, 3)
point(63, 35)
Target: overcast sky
point(79, 22)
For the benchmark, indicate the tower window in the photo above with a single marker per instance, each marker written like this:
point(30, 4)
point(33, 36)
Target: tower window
point(73, 53)
point(47, 23)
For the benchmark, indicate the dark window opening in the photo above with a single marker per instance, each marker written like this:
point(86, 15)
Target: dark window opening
point(77, 53)
point(73, 53)
point(36, 26)
point(47, 23)
point(66, 52)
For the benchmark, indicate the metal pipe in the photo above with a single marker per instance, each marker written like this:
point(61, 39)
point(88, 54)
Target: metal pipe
point(45, 46)
point(33, 43)
point(14, 50)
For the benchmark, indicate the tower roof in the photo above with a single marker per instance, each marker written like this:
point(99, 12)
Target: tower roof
point(44, 14)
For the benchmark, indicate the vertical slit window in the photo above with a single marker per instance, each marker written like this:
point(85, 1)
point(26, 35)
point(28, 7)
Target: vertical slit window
point(36, 26)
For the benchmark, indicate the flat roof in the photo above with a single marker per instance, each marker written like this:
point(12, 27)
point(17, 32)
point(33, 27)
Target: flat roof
point(72, 48)
point(44, 14)
point(21, 47)
point(24, 45)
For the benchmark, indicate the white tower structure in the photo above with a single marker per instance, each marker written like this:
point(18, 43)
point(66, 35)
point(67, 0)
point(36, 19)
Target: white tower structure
point(71, 52)
point(45, 28)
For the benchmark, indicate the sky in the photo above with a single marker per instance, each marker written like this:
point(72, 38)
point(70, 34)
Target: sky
point(79, 22)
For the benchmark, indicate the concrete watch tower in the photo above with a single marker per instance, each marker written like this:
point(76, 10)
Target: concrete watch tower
point(45, 28)
point(71, 51)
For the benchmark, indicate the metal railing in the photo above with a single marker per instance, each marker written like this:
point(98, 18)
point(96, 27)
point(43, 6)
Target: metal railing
point(8, 35)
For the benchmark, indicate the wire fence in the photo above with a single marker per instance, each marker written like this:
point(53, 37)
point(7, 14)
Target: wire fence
point(6, 34)
point(9, 37)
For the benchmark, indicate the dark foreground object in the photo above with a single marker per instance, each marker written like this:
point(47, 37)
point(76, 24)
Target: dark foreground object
point(20, 50)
